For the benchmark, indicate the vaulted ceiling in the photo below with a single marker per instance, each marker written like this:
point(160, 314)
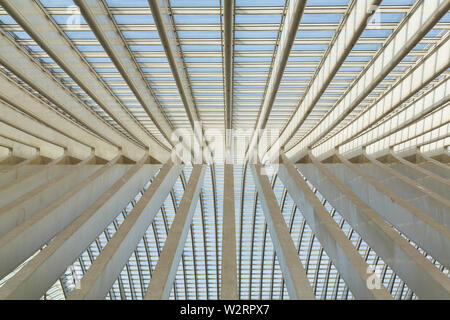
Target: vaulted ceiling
point(123, 76)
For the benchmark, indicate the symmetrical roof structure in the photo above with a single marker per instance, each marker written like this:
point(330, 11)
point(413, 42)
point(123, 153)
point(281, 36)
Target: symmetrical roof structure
point(94, 92)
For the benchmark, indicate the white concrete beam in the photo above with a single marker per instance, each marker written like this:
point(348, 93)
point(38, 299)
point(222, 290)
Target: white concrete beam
point(427, 179)
point(60, 180)
point(108, 265)
point(163, 277)
point(20, 150)
point(228, 60)
point(428, 233)
point(18, 168)
point(422, 277)
point(422, 19)
point(25, 67)
point(355, 24)
point(5, 152)
point(430, 203)
point(46, 149)
point(34, 20)
point(294, 275)
point(41, 272)
point(165, 25)
point(14, 168)
point(27, 182)
point(98, 17)
point(445, 169)
point(29, 125)
point(27, 102)
point(290, 28)
point(229, 281)
point(166, 31)
point(20, 243)
point(426, 70)
point(350, 264)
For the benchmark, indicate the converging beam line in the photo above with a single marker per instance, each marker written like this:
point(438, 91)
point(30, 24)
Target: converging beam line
point(162, 280)
point(294, 275)
point(350, 264)
point(108, 265)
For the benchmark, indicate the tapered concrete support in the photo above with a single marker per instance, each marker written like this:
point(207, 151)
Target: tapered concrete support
point(52, 120)
point(18, 61)
point(108, 265)
point(21, 170)
point(162, 280)
point(422, 277)
point(436, 169)
point(21, 209)
point(35, 22)
point(29, 181)
point(9, 159)
point(10, 173)
point(432, 204)
point(24, 240)
point(229, 284)
point(423, 177)
point(437, 164)
point(26, 123)
point(168, 37)
point(46, 148)
point(39, 274)
point(99, 19)
point(20, 150)
point(5, 152)
point(425, 231)
point(294, 275)
point(351, 266)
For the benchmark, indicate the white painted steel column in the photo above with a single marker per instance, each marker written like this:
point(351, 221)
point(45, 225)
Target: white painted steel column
point(409, 264)
point(39, 274)
point(229, 281)
point(23, 241)
point(163, 277)
point(351, 266)
point(108, 265)
point(430, 203)
point(294, 275)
